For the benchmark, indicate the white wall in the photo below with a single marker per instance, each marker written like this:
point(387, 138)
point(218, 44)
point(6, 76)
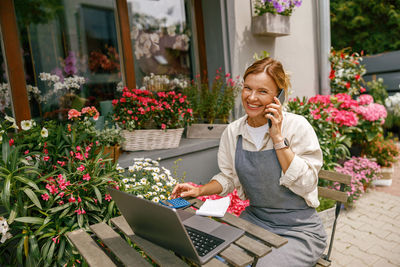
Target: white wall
point(298, 52)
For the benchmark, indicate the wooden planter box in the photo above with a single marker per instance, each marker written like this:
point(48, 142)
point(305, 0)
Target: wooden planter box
point(111, 152)
point(151, 139)
point(270, 25)
point(202, 130)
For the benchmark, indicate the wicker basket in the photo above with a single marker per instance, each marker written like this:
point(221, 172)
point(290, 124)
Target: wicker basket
point(151, 139)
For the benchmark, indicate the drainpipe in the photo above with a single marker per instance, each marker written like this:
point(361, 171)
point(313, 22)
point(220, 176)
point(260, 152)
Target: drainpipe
point(324, 45)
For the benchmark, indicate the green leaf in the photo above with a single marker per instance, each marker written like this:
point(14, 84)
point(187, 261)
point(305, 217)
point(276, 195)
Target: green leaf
point(65, 212)
point(61, 250)
point(45, 248)
point(51, 252)
point(111, 207)
point(54, 210)
point(80, 220)
point(34, 248)
point(13, 214)
point(33, 197)
point(20, 250)
point(98, 194)
point(33, 220)
point(5, 194)
point(26, 181)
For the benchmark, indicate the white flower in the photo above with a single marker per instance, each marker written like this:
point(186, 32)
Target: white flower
point(155, 188)
point(139, 196)
point(4, 230)
point(132, 180)
point(143, 181)
point(44, 132)
point(156, 200)
point(125, 180)
point(26, 125)
point(10, 119)
point(162, 197)
point(131, 169)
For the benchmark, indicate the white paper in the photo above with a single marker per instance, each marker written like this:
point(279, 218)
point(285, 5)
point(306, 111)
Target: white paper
point(214, 208)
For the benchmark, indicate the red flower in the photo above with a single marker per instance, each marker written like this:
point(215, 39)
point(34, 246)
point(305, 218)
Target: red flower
point(332, 74)
point(107, 197)
point(86, 177)
point(362, 89)
point(45, 197)
point(11, 142)
point(348, 85)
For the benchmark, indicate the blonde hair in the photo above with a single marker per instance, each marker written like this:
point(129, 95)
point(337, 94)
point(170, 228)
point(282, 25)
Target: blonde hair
point(274, 69)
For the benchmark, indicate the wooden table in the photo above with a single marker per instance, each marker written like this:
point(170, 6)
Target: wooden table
point(107, 247)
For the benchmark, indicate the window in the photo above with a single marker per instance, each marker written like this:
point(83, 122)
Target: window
point(162, 39)
point(75, 45)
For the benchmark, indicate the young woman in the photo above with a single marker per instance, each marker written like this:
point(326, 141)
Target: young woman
point(275, 165)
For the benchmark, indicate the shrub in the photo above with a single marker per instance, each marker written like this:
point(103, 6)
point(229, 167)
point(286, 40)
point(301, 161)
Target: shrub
point(216, 102)
point(141, 109)
point(363, 171)
point(346, 72)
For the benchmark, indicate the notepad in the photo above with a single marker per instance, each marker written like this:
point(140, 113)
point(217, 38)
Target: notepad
point(214, 207)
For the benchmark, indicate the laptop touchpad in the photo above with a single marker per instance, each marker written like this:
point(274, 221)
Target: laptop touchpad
point(201, 223)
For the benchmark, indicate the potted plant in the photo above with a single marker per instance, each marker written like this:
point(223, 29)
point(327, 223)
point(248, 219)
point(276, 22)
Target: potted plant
point(110, 140)
point(363, 171)
point(272, 17)
point(151, 120)
point(212, 106)
point(146, 179)
point(385, 151)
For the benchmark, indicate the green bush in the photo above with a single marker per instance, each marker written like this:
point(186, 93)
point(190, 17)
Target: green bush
point(372, 26)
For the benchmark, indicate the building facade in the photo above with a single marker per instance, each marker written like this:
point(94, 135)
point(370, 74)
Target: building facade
point(115, 43)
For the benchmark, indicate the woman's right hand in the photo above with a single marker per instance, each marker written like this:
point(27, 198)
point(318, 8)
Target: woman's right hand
point(185, 190)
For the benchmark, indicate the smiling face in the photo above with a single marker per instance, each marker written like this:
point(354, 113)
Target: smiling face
point(258, 91)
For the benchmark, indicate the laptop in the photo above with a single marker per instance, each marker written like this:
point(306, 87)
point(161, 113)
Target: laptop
point(195, 237)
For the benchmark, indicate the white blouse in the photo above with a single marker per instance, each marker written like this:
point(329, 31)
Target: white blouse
point(302, 175)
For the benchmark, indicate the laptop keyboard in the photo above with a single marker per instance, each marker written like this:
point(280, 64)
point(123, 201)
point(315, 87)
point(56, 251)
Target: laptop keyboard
point(203, 242)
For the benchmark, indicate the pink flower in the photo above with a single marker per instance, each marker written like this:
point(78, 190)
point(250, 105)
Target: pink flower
point(86, 177)
point(365, 99)
point(46, 158)
point(45, 197)
point(73, 113)
point(81, 168)
point(163, 126)
point(78, 156)
point(26, 152)
point(107, 197)
point(71, 199)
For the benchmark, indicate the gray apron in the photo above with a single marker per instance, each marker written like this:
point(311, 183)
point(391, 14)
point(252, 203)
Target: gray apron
point(277, 209)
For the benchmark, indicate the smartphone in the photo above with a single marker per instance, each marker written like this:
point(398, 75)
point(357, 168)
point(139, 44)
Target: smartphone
point(281, 97)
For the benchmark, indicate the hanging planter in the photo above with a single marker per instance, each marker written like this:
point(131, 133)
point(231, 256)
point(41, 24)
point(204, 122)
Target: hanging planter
point(270, 24)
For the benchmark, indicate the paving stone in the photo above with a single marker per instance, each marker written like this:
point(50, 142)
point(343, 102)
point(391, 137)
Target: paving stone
point(383, 263)
point(363, 256)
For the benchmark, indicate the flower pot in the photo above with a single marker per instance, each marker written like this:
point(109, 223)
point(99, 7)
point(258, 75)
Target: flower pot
point(151, 139)
point(203, 130)
point(270, 25)
point(111, 152)
point(387, 172)
point(386, 177)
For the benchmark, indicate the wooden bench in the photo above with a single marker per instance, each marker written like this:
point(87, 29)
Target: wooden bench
point(108, 245)
point(340, 197)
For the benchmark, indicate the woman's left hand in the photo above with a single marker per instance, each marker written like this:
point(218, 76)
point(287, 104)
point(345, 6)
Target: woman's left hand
point(274, 113)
